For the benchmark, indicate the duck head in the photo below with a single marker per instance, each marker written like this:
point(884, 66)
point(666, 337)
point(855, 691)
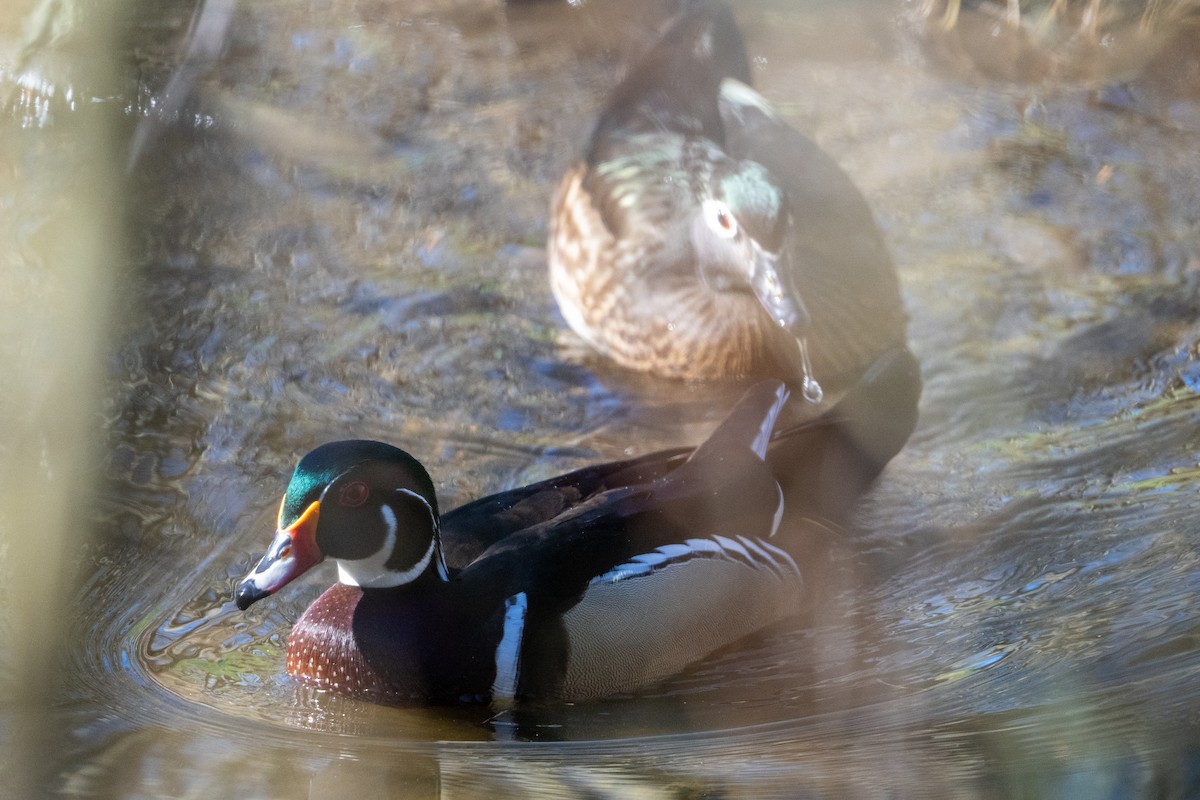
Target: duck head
point(737, 235)
point(368, 505)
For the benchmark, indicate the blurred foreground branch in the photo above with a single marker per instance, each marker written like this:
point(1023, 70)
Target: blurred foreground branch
point(59, 259)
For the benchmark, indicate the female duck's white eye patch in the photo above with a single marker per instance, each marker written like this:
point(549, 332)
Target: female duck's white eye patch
point(719, 218)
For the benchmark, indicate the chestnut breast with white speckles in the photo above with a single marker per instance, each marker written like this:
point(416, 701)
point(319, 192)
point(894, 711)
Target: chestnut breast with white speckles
point(322, 649)
point(398, 645)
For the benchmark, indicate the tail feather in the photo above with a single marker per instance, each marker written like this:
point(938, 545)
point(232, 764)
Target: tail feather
point(827, 464)
point(750, 424)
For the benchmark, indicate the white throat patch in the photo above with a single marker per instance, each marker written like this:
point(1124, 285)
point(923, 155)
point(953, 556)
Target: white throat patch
point(372, 572)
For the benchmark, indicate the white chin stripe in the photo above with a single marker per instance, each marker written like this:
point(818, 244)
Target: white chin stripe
point(508, 652)
point(372, 573)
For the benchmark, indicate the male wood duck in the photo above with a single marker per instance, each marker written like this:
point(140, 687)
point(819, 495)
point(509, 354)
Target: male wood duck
point(598, 581)
point(704, 238)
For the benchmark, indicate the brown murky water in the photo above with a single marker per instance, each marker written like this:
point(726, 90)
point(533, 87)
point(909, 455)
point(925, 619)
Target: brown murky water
point(339, 234)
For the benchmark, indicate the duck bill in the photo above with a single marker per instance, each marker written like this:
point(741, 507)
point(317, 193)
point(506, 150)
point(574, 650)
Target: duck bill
point(773, 288)
point(292, 552)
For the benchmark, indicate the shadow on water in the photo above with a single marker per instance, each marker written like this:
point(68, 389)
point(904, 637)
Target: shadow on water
point(337, 231)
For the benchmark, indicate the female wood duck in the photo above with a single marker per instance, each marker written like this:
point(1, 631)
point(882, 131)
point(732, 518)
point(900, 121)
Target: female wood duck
point(704, 238)
point(598, 581)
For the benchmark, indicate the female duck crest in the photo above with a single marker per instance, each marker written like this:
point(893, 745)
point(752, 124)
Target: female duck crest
point(675, 86)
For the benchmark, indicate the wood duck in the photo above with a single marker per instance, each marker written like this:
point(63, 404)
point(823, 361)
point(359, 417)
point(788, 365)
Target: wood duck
point(704, 238)
point(598, 581)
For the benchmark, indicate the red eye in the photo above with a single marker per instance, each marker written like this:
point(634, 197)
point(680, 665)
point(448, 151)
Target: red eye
point(353, 494)
point(720, 219)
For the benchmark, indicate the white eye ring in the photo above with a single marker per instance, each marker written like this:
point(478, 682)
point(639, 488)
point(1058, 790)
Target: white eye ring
point(719, 218)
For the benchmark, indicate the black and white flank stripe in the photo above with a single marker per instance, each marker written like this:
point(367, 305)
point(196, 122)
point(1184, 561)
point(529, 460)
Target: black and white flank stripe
point(752, 552)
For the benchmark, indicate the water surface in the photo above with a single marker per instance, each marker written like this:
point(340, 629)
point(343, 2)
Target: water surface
point(339, 234)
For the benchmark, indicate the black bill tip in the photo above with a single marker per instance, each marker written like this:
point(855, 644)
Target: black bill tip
point(247, 594)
